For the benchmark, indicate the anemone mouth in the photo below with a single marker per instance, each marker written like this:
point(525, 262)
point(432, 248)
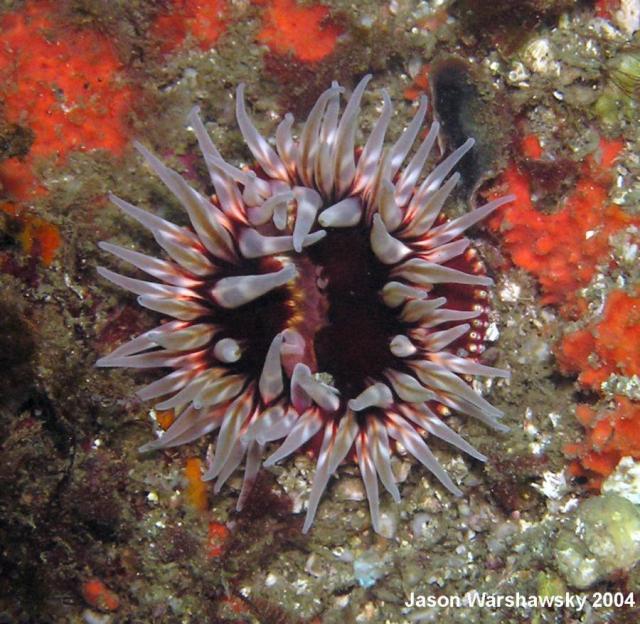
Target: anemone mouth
point(353, 345)
point(320, 299)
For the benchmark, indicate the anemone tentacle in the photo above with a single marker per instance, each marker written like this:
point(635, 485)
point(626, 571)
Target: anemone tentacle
point(262, 281)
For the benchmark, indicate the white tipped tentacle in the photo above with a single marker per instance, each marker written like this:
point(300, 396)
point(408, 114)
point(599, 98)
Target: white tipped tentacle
point(409, 438)
point(188, 426)
point(207, 220)
point(155, 359)
point(183, 309)
point(308, 203)
point(270, 383)
point(423, 210)
point(261, 150)
point(370, 157)
point(396, 293)
point(421, 309)
point(433, 181)
point(406, 184)
point(436, 341)
point(408, 388)
point(440, 378)
point(305, 388)
point(181, 336)
point(228, 194)
point(233, 292)
point(140, 343)
point(219, 391)
point(259, 215)
point(401, 346)
point(234, 418)
point(434, 425)
point(142, 287)
point(403, 145)
point(381, 454)
point(227, 350)
point(334, 448)
point(284, 142)
point(376, 395)
point(443, 315)
point(181, 244)
point(466, 366)
point(308, 143)
point(231, 463)
point(196, 383)
point(346, 213)
point(160, 269)
point(388, 206)
point(169, 384)
point(344, 165)
point(256, 190)
point(452, 229)
point(369, 478)
point(251, 468)
point(280, 426)
point(255, 245)
point(426, 273)
point(185, 251)
point(304, 429)
point(388, 250)
point(323, 169)
point(446, 252)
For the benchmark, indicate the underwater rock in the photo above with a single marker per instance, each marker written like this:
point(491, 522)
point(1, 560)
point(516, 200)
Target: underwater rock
point(604, 537)
point(17, 350)
point(368, 568)
point(463, 111)
point(624, 480)
point(507, 25)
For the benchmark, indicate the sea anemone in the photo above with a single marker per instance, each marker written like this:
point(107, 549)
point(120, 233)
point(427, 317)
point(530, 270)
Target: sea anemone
point(319, 297)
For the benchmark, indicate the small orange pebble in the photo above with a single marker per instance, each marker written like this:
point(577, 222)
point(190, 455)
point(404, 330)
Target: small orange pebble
point(41, 239)
point(530, 146)
point(196, 492)
point(99, 596)
point(419, 86)
point(165, 418)
point(219, 536)
point(37, 237)
point(236, 605)
point(306, 32)
point(605, 8)
point(201, 19)
point(434, 21)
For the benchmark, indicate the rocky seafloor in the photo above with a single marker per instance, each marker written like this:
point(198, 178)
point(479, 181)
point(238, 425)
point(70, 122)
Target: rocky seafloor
point(92, 531)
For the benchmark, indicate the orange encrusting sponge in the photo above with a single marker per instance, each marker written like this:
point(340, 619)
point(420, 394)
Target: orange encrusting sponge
point(306, 32)
point(562, 249)
point(66, 86)
point(611, 346)
point(204, 20)
point(610, 436)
